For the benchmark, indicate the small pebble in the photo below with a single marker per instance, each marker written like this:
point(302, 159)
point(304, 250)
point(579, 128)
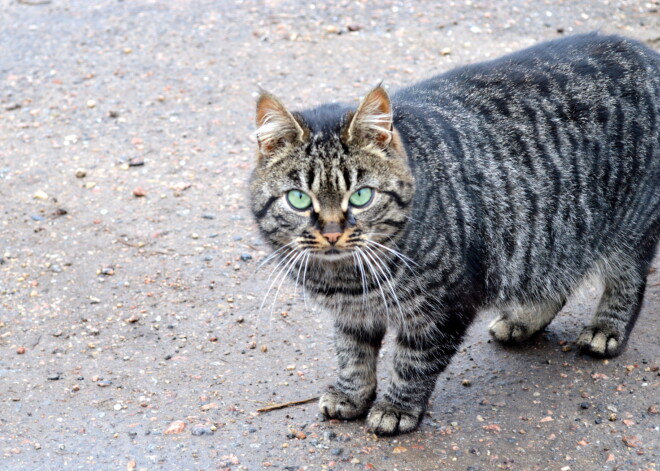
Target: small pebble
point(337, 451)
point(246, 256)
point(201, 430)
point(175, 427)
point(20, 350)
point(81, 173)
point(584, 405)
point(139, 192)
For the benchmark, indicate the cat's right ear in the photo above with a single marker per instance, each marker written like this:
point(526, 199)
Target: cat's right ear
point(276, 126)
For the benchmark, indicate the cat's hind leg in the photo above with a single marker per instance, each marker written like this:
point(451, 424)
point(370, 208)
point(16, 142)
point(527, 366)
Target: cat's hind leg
point(617, 311)
point(518, 323)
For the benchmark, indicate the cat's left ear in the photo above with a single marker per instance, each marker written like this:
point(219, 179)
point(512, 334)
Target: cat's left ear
point(372, 121)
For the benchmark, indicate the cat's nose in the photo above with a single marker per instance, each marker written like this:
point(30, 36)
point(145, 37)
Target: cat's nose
point(332, 231)
point(332, 236)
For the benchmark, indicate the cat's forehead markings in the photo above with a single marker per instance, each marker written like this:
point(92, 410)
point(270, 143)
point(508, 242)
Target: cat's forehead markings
point(318, 176)
point(337, 179)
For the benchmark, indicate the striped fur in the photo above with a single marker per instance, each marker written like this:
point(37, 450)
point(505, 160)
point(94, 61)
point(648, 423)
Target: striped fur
point(498, 185)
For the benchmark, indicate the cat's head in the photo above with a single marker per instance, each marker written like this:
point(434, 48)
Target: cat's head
point(330, 179)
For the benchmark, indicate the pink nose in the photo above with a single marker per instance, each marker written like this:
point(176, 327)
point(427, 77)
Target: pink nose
point(332, 236)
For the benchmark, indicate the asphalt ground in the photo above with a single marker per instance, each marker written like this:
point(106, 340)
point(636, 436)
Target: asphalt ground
point(131, 335)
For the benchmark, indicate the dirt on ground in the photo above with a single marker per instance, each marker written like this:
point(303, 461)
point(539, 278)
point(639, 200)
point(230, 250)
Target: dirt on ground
point(131, 334)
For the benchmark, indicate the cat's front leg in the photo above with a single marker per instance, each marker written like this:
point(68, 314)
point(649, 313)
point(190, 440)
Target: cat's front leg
point(357, 348)
point(421, 355)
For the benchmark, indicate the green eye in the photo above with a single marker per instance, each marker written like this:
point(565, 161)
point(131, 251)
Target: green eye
point(362, 197)
point(299, 199)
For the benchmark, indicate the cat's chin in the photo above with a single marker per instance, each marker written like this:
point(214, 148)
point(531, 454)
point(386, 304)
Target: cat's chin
point(332, 255)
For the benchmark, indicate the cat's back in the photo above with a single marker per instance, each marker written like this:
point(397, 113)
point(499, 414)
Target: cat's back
point(567, 66)
point(583, 110)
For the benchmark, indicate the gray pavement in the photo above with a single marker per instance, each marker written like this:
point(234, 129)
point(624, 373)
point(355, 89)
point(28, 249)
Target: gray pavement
point(129, 289)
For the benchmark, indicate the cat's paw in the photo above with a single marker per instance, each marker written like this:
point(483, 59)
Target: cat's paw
point(508, 332)
point(600, 342)
point(335, 404)
point(386, 419)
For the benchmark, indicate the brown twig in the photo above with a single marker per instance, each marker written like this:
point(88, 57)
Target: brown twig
point(286, 404)
point(138, 245)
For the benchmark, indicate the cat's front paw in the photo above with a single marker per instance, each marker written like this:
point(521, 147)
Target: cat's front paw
point(386, 419)
point(600, 342)
point(335, 404)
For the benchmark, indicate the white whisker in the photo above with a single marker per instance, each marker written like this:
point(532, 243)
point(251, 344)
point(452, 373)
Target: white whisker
point(307, 257)
point(300, 266)
point(375, 276)
point(288, 257)
point(289, 266)
point(396, 253)
point(274, 254)
point(380, 265)
point(362, 275)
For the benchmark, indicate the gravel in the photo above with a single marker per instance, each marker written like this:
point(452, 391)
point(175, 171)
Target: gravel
point(128, 128)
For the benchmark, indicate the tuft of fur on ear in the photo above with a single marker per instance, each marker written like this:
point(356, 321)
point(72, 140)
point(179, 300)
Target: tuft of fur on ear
point(372, 122)
point(276, 126)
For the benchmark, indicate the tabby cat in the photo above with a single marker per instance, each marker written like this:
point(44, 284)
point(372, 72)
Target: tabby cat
point(497, 185)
